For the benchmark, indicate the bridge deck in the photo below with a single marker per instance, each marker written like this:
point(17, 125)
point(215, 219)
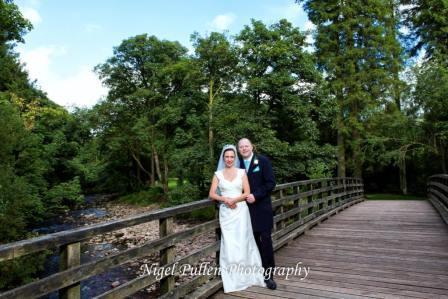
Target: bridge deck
point(375, 249)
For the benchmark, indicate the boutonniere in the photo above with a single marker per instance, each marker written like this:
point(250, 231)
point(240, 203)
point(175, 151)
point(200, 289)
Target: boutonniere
point(256, 162)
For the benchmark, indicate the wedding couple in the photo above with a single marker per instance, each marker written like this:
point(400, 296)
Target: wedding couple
point(243, 186)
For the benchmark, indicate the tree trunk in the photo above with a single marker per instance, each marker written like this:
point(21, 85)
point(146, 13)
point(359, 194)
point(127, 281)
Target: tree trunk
point(341, 147)
point(403, 181)
point(153, 171)
point(165, 176)
point(210, 119)
point(356, 154)
point(139, 176)
point(157, 164)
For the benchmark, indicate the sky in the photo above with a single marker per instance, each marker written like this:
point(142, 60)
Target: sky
point(70, 38)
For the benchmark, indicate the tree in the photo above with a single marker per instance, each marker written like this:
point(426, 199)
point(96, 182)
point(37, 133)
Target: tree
point(427, 21)
point(281, 82)
point(216, 60)
point(430, 95)
point(355, 48)
point(139, 113)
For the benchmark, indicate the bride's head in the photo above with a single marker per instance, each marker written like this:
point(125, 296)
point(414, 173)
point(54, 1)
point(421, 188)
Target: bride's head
point(229, 156)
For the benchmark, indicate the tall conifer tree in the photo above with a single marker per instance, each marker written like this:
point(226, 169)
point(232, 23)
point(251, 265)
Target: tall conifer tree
point(356, 48)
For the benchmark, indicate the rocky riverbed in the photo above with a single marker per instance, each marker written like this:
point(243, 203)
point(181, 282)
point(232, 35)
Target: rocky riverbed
point(114, 242)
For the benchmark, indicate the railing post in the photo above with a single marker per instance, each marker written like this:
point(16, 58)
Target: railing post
point(344, 182)
point(320, 196)
point(282, 210)
point(310, 200)
point(298, 216)
point(332, 193)
point(69, 257)
point(324, 195)
point(166, 227)
point(217, 234)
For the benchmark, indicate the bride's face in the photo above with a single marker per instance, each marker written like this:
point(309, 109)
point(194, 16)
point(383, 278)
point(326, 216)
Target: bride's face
point(229, 158)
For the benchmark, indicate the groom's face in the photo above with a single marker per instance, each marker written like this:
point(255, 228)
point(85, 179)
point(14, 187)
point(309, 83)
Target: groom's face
point(245, 148)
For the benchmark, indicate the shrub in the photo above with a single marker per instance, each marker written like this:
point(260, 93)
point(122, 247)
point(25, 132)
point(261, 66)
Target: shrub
point(183, 194)
point(144, 197)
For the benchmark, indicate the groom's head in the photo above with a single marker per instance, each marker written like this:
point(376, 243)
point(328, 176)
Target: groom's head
point(245, 148)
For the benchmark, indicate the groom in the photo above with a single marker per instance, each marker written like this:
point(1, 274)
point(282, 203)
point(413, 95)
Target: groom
point(262, 182)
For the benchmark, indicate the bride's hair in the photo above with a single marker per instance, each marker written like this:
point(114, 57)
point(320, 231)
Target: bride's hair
point(226, 148)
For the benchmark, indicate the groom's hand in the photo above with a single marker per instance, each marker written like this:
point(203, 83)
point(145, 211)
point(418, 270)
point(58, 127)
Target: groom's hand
point(250, 198)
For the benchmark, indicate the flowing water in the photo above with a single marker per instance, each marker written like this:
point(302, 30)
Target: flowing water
point(92, 209)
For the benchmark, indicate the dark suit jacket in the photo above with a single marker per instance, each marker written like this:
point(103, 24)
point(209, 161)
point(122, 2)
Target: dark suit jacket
point(262, 182)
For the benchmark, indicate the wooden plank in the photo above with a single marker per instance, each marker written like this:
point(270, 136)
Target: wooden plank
point(440, 207)
point(166, 227)
point(70, 256)
point(207, 290)
point(189, 287)
point(375, 249)
point(143, 281)
point(356, 288)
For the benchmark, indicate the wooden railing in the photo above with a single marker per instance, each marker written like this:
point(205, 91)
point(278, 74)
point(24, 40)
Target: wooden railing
point(437, 189)
point(298, 206)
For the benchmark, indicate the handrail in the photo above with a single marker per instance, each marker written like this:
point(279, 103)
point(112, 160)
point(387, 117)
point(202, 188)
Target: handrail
point(437, 190)
point(297, 207)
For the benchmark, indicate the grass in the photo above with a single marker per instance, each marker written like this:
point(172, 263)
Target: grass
point(391, 196)
point(144, 197)
point(172, 183)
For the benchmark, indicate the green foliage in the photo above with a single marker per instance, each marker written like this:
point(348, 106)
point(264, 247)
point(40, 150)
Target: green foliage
point(430, 96)
point(357, 48)
point(184, 193)
point(144, 197)
point(427, 23)
point(61, 197)
point(21, 270)
point(205, 214)
point(12, 24)
point(142, 111)
point(38, 141)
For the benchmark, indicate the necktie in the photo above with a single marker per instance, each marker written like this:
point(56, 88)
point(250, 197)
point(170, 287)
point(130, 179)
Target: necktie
point(246, 164)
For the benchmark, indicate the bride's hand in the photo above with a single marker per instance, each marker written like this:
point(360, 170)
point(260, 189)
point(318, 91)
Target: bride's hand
point(233, 203)
point(230, 202)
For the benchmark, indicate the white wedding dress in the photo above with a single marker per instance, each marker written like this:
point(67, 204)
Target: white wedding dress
point(239, 259)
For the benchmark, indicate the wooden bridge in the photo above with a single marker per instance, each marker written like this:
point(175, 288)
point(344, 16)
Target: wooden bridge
point(374, 249)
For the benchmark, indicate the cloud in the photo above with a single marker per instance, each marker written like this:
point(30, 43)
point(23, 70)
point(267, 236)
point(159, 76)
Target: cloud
point(82, 88)
point(222, 22)
point(38, 60)
point(32, 15)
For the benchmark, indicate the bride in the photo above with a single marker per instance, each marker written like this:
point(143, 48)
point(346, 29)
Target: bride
point(239, 259)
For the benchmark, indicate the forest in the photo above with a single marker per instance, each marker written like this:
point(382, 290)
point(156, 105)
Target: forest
point(368, 98)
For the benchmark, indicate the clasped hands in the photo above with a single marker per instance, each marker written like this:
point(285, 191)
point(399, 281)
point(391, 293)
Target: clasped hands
point(231, 202)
